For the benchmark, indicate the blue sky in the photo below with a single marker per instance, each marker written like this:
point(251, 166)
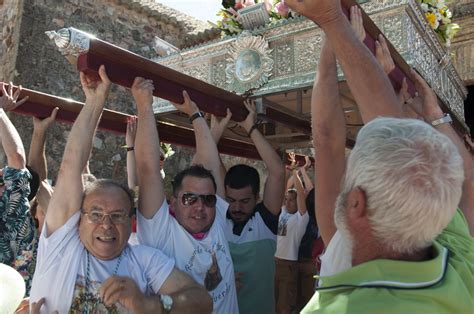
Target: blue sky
point(204, 10)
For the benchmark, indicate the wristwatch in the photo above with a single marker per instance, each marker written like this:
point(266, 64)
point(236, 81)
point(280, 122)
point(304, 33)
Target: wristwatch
point(196, 115)
point(445, 119)
point(167, 302)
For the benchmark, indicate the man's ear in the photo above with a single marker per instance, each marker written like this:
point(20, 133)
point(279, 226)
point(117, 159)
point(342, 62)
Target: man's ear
point(356, 203)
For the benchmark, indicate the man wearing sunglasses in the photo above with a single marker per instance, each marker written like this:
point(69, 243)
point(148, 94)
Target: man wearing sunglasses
point(191, 228)
point(84, 263)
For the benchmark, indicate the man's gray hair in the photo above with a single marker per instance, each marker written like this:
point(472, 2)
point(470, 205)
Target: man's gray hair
point(412, 176)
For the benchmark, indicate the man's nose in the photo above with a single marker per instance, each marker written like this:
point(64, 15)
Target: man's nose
point(106, 222)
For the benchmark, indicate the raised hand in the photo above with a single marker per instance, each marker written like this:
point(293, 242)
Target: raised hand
point(44, 124)
point(96, 89)
point(131, 131)
point(307, 163)
point(251, 117)
point(382, 54)
point(429, 102)
point(218, 126)
point(9, 100)
point(142, 91)
point(188, 106)
point(411, 106)
point(322, 12)
point(357, 22)
point(292, 159)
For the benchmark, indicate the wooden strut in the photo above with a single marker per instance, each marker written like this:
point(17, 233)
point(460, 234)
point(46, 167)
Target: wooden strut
point(41, 105)
point(123, 66)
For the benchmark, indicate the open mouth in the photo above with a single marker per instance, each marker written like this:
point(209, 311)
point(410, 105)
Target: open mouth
point(106, 239)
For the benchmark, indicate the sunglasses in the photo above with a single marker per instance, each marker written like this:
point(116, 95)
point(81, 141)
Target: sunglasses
point(189, 199)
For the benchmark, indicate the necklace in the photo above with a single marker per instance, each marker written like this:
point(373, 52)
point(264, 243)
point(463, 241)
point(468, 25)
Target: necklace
point(89, 296)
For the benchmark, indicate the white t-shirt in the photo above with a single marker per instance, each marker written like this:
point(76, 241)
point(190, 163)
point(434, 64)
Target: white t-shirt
point(336, 258)
point(291, 228)
point(61, 268)
point(208, 260)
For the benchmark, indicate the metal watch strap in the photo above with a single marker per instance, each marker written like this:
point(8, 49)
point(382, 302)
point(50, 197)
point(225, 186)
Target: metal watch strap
point(166, 303)
point(445, 119)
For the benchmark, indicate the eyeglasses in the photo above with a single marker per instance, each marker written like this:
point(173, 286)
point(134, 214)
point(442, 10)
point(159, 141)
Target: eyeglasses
point(96, 217)
point(189, 199)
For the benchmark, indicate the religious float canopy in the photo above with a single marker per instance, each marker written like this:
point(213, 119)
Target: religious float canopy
point(274, 64)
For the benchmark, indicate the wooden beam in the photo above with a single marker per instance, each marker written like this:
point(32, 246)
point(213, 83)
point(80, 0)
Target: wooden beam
point(41, 105)
point(123, 66)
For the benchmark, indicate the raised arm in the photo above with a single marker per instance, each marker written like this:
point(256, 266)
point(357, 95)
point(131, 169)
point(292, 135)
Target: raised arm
point(217, 129)
point(67, 198)
point(300, 195)
point(206, 148)
point(132, 179)
point(147, 148)
point(308, 183)
point(329, 137)
point(374, 93)
point(431, 111)
point(37, 155)
point(274, 191)
point(11, 141)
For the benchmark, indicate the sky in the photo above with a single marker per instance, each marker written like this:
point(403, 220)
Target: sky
point(204, 10)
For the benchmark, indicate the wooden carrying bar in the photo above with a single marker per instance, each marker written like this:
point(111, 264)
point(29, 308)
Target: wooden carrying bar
point(41, 105)
point(123, 66)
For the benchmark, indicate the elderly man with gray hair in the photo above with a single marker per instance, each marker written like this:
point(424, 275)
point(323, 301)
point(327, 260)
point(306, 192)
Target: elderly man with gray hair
point(396, 242)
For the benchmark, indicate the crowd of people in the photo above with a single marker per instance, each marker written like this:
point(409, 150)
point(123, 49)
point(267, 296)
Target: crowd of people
point(387, 230)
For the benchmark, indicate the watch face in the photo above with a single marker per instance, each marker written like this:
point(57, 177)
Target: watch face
point(167, 301)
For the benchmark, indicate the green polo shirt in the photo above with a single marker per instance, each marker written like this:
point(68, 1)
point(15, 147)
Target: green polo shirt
point(444, 284)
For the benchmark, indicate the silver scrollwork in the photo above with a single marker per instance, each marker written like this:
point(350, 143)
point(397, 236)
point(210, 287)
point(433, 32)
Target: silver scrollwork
point(250, 63)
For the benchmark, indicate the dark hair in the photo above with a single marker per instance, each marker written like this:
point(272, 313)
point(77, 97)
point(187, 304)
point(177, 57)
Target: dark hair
point(309, 201)
point(241, 176)
point(34, 183)
point(108, 183)
point(197, 171)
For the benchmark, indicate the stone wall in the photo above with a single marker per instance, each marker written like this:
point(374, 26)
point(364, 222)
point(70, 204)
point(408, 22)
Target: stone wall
point(10, 19)
point(41, 67)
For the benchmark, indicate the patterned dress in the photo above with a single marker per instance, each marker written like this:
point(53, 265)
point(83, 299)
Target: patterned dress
point(18, 239)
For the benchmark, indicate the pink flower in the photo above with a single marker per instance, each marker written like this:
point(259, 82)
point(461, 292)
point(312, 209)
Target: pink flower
point(282, 8)
point(248, 3)
point(238, 5)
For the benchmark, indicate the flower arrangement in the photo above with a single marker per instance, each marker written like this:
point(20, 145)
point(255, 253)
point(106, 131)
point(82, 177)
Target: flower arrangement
point(439, 17)
point(230, 19)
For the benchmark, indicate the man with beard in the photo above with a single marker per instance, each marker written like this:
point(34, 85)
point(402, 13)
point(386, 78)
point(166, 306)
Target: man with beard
point(252, 224)
point(407, 247)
